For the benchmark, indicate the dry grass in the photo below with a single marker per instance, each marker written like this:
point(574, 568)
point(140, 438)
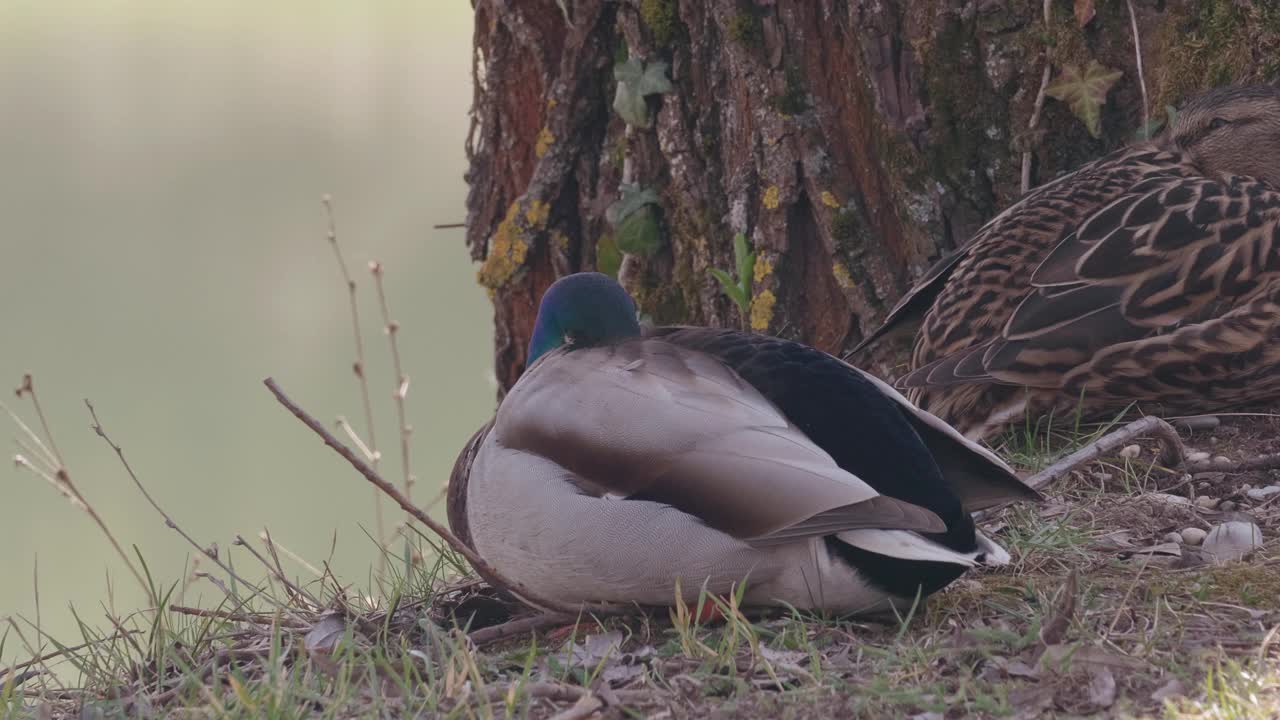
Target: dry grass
point(1086, 621)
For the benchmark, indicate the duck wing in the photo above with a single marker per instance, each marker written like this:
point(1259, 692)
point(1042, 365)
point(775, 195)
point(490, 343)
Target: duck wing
point(867, 426)
point(1171, 253)
point(648, 419)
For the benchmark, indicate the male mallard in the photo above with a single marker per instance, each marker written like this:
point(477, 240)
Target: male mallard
point(622, 462)
point(1149, 275)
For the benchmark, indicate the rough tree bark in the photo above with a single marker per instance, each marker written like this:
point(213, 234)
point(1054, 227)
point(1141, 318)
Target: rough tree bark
point(852, 141)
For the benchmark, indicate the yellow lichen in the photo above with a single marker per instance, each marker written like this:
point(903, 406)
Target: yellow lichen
point(537, 214)
point(829, 200)
point(763, 268)
point(560, 239)
point(551, 103)
point(545, 138)
point(841, 271)
point(762, 310)
point(507, 249)
point(772, 197)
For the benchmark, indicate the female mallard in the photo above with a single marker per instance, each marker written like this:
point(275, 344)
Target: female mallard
point(622, 463)
point(1149, 276)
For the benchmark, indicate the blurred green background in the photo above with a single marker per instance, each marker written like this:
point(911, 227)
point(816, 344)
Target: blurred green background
point(161, 169)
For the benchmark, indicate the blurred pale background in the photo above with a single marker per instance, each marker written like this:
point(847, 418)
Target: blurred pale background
point(161, 166)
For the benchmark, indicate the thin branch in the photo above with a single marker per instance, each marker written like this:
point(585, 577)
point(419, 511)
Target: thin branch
point(519, 626)
point(293, 590)
point(28, 388)
point(248, 618)
point(60, 479)
point(448, 226)
point(168, 521)
point(460, 547)
point(1039, 104)
point(358, 367)
point(1172, 455)
point(392, 329)
point(1137, 52)
point(271, 543)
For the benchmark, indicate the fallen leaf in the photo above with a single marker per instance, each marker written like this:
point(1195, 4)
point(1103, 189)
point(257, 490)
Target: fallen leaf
point(1232, 540)
point(1087, 657)
point(1114, 540)
point(1084, 12)
point(1102, 687)
point(1085, 92)
point(323, 637)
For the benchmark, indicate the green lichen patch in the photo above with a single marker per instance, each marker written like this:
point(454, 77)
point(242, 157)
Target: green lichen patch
point(746, 28)
point(662, 18)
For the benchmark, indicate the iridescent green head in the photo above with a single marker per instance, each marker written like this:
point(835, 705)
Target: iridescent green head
point(582, 309)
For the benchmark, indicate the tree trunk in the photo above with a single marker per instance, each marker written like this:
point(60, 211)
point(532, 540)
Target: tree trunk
point(852, 142)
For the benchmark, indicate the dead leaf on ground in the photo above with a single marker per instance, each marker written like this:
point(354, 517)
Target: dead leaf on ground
point(1088, 657)
point(323, 637)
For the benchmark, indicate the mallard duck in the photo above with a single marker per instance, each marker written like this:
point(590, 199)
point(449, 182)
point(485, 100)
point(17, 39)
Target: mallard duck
point(1148, 276)
point(626, 463)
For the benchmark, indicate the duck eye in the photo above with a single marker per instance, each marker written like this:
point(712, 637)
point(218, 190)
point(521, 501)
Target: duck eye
point(1218, 123)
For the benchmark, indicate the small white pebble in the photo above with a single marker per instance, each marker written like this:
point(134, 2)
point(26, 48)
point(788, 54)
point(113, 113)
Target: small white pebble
point(1202, 485)
point(1102, 477)
point(1197, 456)
point(1262, 493)
point(1213, 440)
point(1226, 506)
point(1173, 537)
point(1221, 460)
point(1193, 536)
point(1246, 487)
point(1206, 502)
point(1130, 451)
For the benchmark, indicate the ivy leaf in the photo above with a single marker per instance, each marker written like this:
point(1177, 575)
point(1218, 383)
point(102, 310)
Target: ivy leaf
point(608, 258)
point(1085, 93)
point(631, 197)
point(636, 222)
point(635, 82)
point(639, 234)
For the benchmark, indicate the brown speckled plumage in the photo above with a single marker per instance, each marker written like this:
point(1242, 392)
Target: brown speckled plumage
point(1151, 275)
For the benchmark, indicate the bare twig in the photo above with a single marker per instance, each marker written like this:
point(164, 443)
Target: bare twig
point(60, 478)
point(275, 570)
point(249, 618)
point(448, 226)
point(168, 521)
point(358, 367)
point(1039, 104)
point(1171, 456)
point(274, 545)
point(520, 626)
point(462, 548)
point(392, 328)
point(28, 388)
point(55, 654)
point(1137, 52)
